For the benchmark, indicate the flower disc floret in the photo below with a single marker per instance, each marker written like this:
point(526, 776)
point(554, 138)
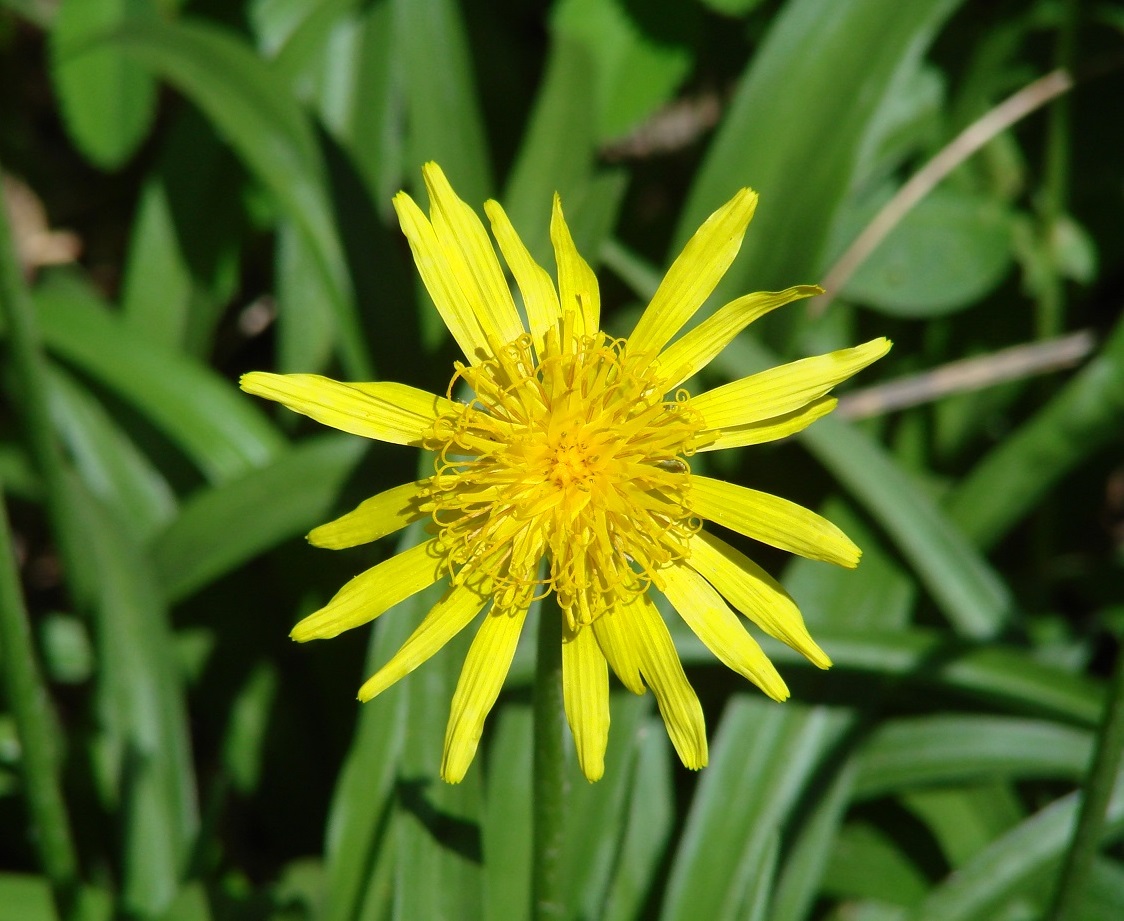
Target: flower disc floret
point(573, 456)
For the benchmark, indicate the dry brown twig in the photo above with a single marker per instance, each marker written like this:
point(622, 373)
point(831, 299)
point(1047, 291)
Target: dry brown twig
point(968, 374)
point(976, 135)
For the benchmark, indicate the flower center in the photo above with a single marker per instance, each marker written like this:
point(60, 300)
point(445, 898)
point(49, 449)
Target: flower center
point(571, 455)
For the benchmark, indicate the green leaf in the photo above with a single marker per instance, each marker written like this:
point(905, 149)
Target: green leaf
point(204, 415)
point(732, 7)
point(867, 864)
point(761, 759)
point(1081, 418)
point(109, 463)
point(648, 825)
point(107, 101)
point(588, 859)
point(142, 751)
point(947, 253)
point(811, 849)
point(507, 816)
point(24, 897)
point(362, 834)
point(438, 851)
point(222, 527)
point(305, 328)
point(969, 592)
point(640, 54)
point(796, 127)
point(958, 749)
point(183, 258)
point(254, 109)
point(557, 150)
point(1013, 863)
point(1003, 677)
point(442, 110)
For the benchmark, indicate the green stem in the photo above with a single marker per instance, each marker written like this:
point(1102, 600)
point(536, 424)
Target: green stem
point(31, 710)
point(1098, 791)
point(549, 781)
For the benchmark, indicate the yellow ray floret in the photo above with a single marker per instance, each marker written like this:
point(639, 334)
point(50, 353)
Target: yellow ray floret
point(568, 474)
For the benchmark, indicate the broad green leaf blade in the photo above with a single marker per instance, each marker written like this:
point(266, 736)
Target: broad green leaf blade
point(557, 150)
point(142, 750)
point(1079, 420)
point(438, 852)
point(1014, 862)
point(640, 55)
point(958, 749)
point(305, 328)
point(795, 129)
point(1003, 677)
point(204, 415)
point(762, 756)
point(965, 820)
point(647, 826)
point(222, 527)
point(867, 863)
point(507, 816)
point(109, 463)
point(107, 100)
point(254, 109)
point(595, 813)
point(442, 109)
point(947, 253)
point(24, 897)
point(184, 250)
point(969, 592)
point(807, 858)
point(362, 834)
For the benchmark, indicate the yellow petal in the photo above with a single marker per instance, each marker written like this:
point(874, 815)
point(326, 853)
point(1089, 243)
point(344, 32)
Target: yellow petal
point(783, 389)
point(697, 348)
point(767, 430)
point(469, 254)
point(694, 275)
point(448, 617)
point(755, 593)
point(771, 520)
point(440, 280)
point(704, 611)
point(585, 691)
point(374, 518)
point(371, 593)
point(539, 297)
point(682, 714)
point(577, 285)
point(480, 683)
point(619, 648)
point(383, 410)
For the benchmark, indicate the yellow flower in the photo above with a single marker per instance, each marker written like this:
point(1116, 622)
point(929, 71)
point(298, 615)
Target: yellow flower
point(567, 471)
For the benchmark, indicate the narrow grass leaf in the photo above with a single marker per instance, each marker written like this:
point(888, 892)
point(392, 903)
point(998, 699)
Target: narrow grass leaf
point(762, 757)
point(647, 826)
point(957, 749)
point(253, 107)
point(814, 140)
point(507, 824)
point(1013, 863)
point(222, 527)
point(196, 409)
point(970, 593)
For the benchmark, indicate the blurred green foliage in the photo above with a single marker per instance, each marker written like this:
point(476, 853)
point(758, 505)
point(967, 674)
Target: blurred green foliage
point(226, 168)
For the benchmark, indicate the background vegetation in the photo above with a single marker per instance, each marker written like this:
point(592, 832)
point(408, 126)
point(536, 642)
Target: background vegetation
point(201, 188)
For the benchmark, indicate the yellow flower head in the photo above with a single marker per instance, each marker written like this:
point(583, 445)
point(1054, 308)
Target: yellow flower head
point(568, 472)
